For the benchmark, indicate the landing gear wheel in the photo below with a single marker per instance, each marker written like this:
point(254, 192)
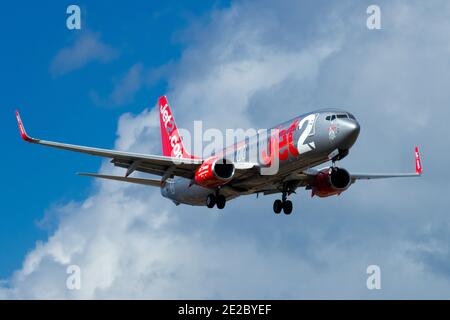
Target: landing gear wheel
point(277, 206)
point(287, 207)
point(210, 201)
point(221, 201)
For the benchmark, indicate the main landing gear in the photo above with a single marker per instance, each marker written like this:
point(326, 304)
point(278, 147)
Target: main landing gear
point(283, 204)
point(215, 200)
point(279, 205)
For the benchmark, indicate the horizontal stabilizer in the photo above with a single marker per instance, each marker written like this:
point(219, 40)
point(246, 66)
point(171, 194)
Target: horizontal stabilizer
point(147, 182)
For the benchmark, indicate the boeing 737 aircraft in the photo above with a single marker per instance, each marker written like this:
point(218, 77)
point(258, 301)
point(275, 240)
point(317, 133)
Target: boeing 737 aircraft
point(297, 146)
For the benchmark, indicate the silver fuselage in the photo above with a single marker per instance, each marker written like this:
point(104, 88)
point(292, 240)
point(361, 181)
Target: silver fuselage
point(312, 142)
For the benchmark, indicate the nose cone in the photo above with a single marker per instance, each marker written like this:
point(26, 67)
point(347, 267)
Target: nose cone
point(350, 130)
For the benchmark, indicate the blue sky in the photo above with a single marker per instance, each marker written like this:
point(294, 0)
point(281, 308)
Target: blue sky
point(61, 107)
point(234, 65)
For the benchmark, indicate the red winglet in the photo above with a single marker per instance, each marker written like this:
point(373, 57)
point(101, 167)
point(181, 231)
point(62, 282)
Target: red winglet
point(23, 133)
point(418, 162)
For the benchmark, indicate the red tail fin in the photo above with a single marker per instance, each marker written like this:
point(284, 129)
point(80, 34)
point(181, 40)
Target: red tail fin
point(172, 146)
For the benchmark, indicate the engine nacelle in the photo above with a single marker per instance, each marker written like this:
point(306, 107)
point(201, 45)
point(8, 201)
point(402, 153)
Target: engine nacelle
point(214, 172)
point(332, 181)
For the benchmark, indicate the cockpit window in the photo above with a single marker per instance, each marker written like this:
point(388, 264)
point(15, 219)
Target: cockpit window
point(340, 116)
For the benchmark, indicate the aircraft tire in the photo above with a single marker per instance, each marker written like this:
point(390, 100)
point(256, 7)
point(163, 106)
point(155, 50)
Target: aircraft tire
point(287, 207)
point(210, 201)
point(277, 206)
point(221, 201)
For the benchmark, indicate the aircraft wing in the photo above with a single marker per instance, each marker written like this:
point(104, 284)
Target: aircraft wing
point(365, 176)
point(158, 165)
point(368, 176)
point(306, 178)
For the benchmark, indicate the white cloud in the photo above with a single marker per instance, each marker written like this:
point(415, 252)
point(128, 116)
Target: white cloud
point(254, 67)
point(86, 49)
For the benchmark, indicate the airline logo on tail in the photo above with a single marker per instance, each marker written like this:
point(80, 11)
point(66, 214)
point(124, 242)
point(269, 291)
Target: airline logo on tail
point(167, 117)
point(171, 141)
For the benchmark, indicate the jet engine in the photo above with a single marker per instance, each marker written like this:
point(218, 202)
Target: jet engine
point(214, 172)
point(331, 181)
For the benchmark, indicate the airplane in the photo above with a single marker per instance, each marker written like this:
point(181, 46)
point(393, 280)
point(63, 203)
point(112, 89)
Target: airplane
point(299, 145)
